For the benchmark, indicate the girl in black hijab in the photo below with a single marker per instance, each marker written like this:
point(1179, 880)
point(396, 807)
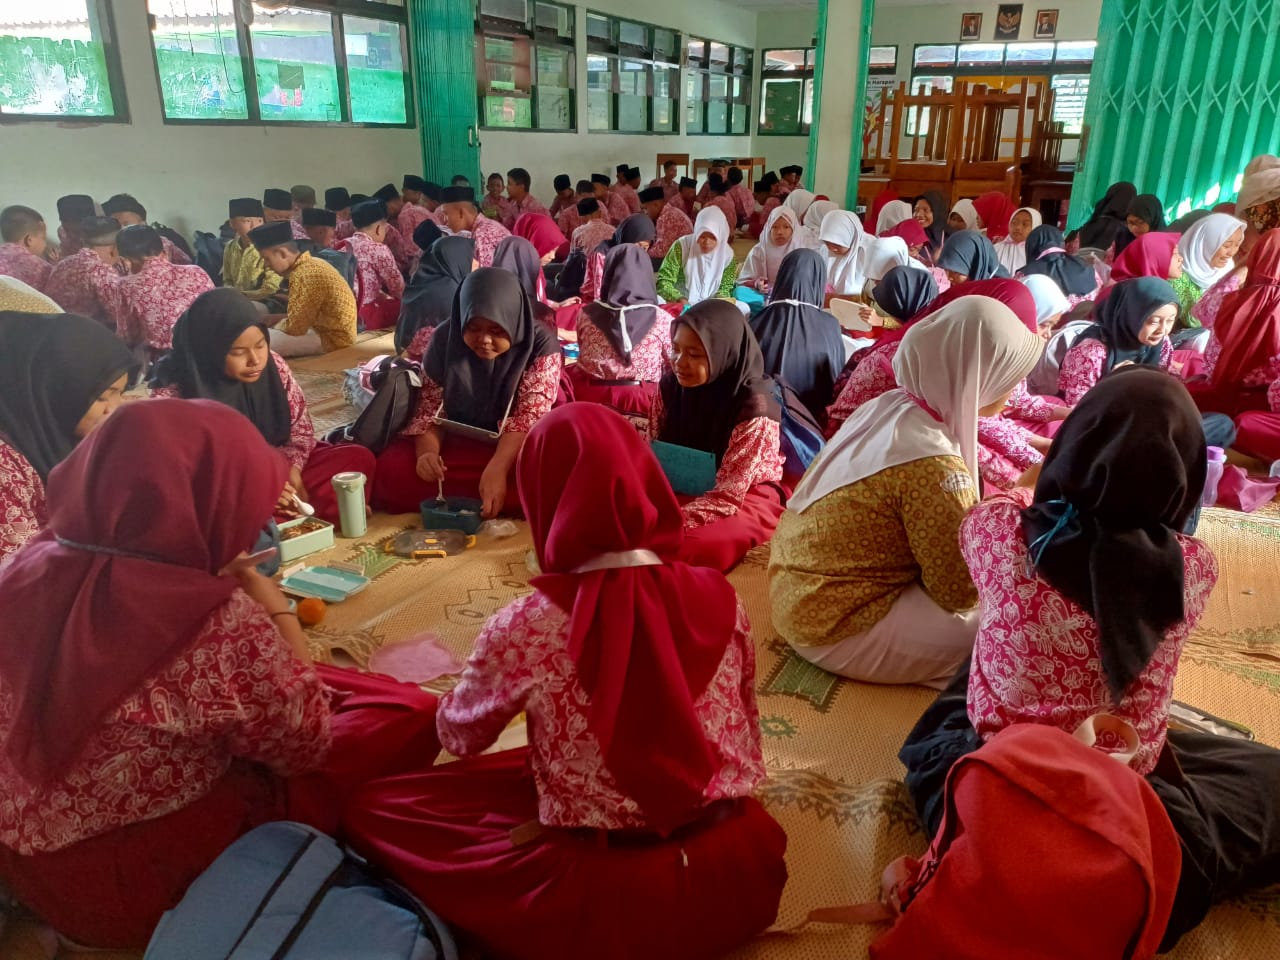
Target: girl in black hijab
point(221, 351)
point(636, 229)
point(1047, 255)
point(718, 400)
point(969, 255)
point(520, 257)
point(1108, 216)
point(428, 299)
point(800, 342)
point(930, 212)
point(62, 376)
point(904, 292)
point(624, 337)
point(489, 375)
point(1145, 214)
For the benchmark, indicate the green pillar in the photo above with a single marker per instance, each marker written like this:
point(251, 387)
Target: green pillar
point(442, 37)
point(1182, 95)
point(839, 98)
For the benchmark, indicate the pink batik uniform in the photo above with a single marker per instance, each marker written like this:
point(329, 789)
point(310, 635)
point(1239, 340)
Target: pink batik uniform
point(753, 457)
point(236, 691)
point(302, 432)
point(487, 234)
point(727, 208)
point(744, 203)
point(570, 220)
point(872, 377)
point(24, 512)
point(174, 252)
point(343, 230)
point(672, 224)
point(1037, 658)
point(650, 358)
point(629, 197)
point(377, 269)
point(500, 206)
point(535, 394)
point(17, 261)
point(1206, 311)
point(518, 208)
point(1083, 365)
point(670, 188)
point(521, 663)
point(85, 284)
point(1004, 453)
point(152, 300)
point(688, 207)
point(590, 235)
point(617, 205)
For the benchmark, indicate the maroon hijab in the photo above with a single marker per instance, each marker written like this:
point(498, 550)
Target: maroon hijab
point(142, 516)
point(646, 640)
point(1011, 293)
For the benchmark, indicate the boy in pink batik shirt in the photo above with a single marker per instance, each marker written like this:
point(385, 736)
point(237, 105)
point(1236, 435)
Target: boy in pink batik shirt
point(381, 284)
point(521, 200)
point(463, 218)
point(669, 221)
point(87, 282)
point(277, 206)
point(156, 293)
point(25, 239)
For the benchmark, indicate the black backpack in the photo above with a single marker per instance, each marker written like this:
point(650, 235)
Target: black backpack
point(208, 255)
point(343, 262)
point(396, 383)
point(572, 276)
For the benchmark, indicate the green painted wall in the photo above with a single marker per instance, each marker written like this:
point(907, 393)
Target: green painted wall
point(442, 36)
point(1183, 94)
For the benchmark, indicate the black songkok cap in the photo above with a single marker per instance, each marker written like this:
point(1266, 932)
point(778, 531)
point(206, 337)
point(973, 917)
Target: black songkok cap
point(273, 199)
point(319, 217)
point(369, 212)
point(245, 207)
point(271, 234)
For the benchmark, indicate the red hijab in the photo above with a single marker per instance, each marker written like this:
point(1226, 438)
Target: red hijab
point(541, 231)
point(646, 640)
point(996, 210)
point(125, 574)
point(1248, 324)
point(882, 200)
point(1011, 293)
point(1150, 255)
point(910, 231)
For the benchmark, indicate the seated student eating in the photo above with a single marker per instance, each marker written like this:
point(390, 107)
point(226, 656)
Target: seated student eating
point(322, 314)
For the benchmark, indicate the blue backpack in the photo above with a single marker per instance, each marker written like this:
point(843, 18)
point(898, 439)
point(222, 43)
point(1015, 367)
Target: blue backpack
point(285, 890)
point(800, 434)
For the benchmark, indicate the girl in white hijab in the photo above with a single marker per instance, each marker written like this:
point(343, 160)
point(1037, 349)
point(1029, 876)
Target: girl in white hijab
point(1208, 250)
point(1051, 302)
point(700, 266)
point(899, 608)
point(885, 253)
point(846, 245)
point(1012, 250)
point(799, 201)
point(894, 213)
point(964, 216)
point(812, 221)
point(760, 269)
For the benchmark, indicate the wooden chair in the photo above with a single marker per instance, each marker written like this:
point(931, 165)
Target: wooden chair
point(929, 161)
point(748, 167)
point(681, 160)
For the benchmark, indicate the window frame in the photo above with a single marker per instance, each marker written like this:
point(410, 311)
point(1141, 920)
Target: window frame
point(615, 52)
point(536, 39)
point(740, 66)
point(805, 74)
point(115, 78)
point(336, 9)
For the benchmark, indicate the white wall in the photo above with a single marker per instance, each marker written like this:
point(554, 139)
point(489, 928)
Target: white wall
point(184, 175)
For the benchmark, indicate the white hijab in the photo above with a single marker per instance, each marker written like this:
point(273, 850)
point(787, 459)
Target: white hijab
point(1049, 298)
point(885, 253)
point(1011, 254)
point(812, 221)
point(964, 357)
point(799, 200)
point(846, 274)
point(703, 272)
point(894, 213)
point(1201, 242)
point(765, 258)
point(967, 212)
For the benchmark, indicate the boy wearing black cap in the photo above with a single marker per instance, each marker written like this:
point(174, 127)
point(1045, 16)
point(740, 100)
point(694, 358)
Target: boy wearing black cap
point(564, 198)
point(418, 206)
point(625, 191)
point(23, 243)
point(381, 284)
point(71, 210)
point(321, 226)
point(669, 222)
point(614, 207)
point(718, 168)
point(398, 242)
point(687, 199)
point(594, 230)
point(85, 282)
point(128, 212)
point(569, 220)
point(242, 265)
point(790, 179)
point(277, 207)
point(338, 202)
point(766, 203)
point(744, 204)
point(463, 218)
point(668, 182)
point(156, 293)
point(321, 315)
point(522, 201)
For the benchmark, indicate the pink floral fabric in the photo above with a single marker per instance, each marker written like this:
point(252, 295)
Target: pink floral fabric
point(520, 663)
point(151, 301)
point(17, 261)
point(1083, 364)
point(534, 397)
point(1036, 658)
point(650, 358)
point(872, 377)
point(376, 266)
point(1004, 454)
point(84, 283)
point(673, 223)
point(23, 508)
point(518, 208)
point(487, 234)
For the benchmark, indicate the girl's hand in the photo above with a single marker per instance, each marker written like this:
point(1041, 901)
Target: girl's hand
point(1039, 443)
point(431, 468)
point(1031, 477)
point(1060, 413)
point(493, 491)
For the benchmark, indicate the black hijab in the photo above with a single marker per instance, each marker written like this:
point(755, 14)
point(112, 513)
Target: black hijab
point(478, 392)
point(637, 228)
point(905, 291)
point(52, 369)
point(1122, 478)
point(1108, 216)
point(202, 338)
point(628, 282)
point(426, 233)
point(1120, 318)
point(972, 255)
point(1072, 275)
point(936, 231)
point(704, 417)
point(1147, 208)
point(520, 256)
point(799, 341)
point(428, 299)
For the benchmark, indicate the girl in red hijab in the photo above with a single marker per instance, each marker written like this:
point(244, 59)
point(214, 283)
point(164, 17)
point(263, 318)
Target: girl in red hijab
point(994, 211)
point(626, 828)
point(1246, 375)
point(1150, 255)
point(157, 699)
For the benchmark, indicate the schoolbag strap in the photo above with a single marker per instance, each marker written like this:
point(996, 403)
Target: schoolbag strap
point(897, 876)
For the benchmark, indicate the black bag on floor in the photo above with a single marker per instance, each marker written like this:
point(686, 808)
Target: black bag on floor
point(396, 383)
point(208, 255)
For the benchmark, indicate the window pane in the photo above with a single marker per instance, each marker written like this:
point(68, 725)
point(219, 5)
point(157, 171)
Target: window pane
point(599, 33)
point(375, 69)
point(633, 38)
point(742, 59)
point(696, 55)
point(514, 12)
point(553, 21)
point(1029, 53)
point(53, 69)
point(738, 121)
point(808, 104)
point(980, 54)
point(599, 93)
point(717, 103)
point(780, 106)
point(884, 58)
point(666, 89)
point(935, 55)
point(1076, 51)
point(693, 92)
point(198, 60)
point(555, 88)
point(633, 96)
point(294, 63)
point(666, 44)
point(1070, 93)
point(783, 60)
point(719, 54)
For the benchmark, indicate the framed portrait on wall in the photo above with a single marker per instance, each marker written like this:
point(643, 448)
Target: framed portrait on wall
point(1046, 24)
point(1008, 21)
point(971, 26)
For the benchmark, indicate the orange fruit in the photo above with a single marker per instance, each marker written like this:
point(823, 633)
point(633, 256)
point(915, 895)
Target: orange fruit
point(311, 611)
